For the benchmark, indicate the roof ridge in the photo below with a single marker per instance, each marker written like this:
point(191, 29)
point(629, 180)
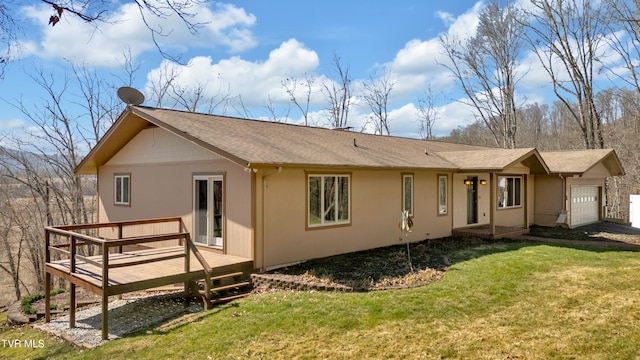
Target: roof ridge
point(275, 123)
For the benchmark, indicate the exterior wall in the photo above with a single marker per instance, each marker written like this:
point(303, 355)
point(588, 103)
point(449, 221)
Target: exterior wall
point(162, 186)
point(549, 199)
point(376, 203)
point(550, 194)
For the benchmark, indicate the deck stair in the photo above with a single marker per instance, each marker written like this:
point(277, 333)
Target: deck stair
point(223, 288)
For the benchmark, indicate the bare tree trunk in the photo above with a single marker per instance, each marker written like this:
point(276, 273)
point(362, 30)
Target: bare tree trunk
point(291, 87)
point(485, 66)
point(427, 115)
point(568, 37)
point(376, 95)
point(338, 95)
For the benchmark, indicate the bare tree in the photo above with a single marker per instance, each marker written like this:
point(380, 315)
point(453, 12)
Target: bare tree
point(98, 12)
point(273, 111)
point(532, 125)
point(427, 114)
point(8, 28)
point(291, 84)
point(567, 36)
point(624, 38)
point(42, 166)
point(338, 94)
point(10, 242)
point(376, 93)
point(167, 91)
point(485, 66)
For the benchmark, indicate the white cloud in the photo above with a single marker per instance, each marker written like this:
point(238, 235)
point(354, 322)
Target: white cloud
point(11, 124)
point(420, 63)
point(254, 81)
point(466, 24)
point(222, 25)
point(453, 115)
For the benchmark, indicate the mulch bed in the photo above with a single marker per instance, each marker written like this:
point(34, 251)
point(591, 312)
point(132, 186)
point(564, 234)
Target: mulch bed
point(376, 269)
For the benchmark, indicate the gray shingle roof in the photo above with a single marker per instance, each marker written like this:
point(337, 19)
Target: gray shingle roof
point(579, 161)
point(488, 159)
point(264, 142)
point(253, 142)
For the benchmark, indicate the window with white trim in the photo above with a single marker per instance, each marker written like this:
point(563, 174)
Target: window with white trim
point(329, 200)
point(443, 207)
point(407, 193)
point(122, 189)
point(509, 191)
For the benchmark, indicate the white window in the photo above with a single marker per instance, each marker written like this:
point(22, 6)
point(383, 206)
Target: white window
point(443, 207)
point(122, 189)
point(329, 200)
point(407, 193)
point(509, 191)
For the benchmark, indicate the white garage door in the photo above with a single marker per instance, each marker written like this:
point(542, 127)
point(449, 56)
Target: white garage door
point(585, 205)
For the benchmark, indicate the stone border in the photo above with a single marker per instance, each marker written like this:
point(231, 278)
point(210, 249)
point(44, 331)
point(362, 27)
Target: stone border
point(292, 282)
point(15, 316)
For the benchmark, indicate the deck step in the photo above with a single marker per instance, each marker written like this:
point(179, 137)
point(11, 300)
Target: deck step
point(213, 279)
point(229, 298)
point(220, 277)
point(231, 286)
point(235, 286)
point(223, 288)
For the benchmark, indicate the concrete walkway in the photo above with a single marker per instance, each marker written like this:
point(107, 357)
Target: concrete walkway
point(600, 227)
point(605, 244)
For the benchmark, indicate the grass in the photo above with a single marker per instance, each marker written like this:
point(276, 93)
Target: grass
point(496, 301)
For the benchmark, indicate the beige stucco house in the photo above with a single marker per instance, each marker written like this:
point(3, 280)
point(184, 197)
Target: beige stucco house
point(279, 193)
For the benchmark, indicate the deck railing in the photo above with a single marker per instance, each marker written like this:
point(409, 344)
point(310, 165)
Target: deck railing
point(74, 239)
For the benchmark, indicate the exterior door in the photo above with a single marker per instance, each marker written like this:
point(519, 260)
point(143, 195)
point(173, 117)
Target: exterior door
point(208, 210)
point(472, 200)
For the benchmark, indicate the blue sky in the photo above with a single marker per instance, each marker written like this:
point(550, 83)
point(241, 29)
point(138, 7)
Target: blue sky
point(248, 47)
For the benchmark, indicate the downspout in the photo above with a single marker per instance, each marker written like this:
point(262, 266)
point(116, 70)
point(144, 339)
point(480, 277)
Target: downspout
point(564, 201)
point(564, 191)
point(264, 214)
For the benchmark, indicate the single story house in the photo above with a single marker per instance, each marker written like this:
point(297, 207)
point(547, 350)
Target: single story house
point(280, 193)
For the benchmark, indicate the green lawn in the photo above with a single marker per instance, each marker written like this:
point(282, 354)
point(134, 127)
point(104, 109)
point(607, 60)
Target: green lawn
point(496, 301)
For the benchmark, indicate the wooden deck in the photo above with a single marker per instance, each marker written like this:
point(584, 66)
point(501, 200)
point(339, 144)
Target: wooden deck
point(127, 274)
point(115, 271)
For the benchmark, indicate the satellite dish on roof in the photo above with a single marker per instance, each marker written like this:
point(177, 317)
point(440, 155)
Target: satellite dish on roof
point(130, 96)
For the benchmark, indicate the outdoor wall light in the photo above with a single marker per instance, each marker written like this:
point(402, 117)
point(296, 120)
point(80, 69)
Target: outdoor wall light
point(483, 182)
point(468, 182)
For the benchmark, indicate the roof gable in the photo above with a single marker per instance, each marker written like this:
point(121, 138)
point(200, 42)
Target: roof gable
point(578, 162)
point(251, 142)
point(496, 159)
point(154, 145)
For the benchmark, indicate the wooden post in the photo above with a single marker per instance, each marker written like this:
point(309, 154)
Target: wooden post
point(526, 200)
point(119, 237)
point(187, 268)
point(47, 296)
point(72, 270)
point(492, 202)
point(47, 278)
point(105, 297)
